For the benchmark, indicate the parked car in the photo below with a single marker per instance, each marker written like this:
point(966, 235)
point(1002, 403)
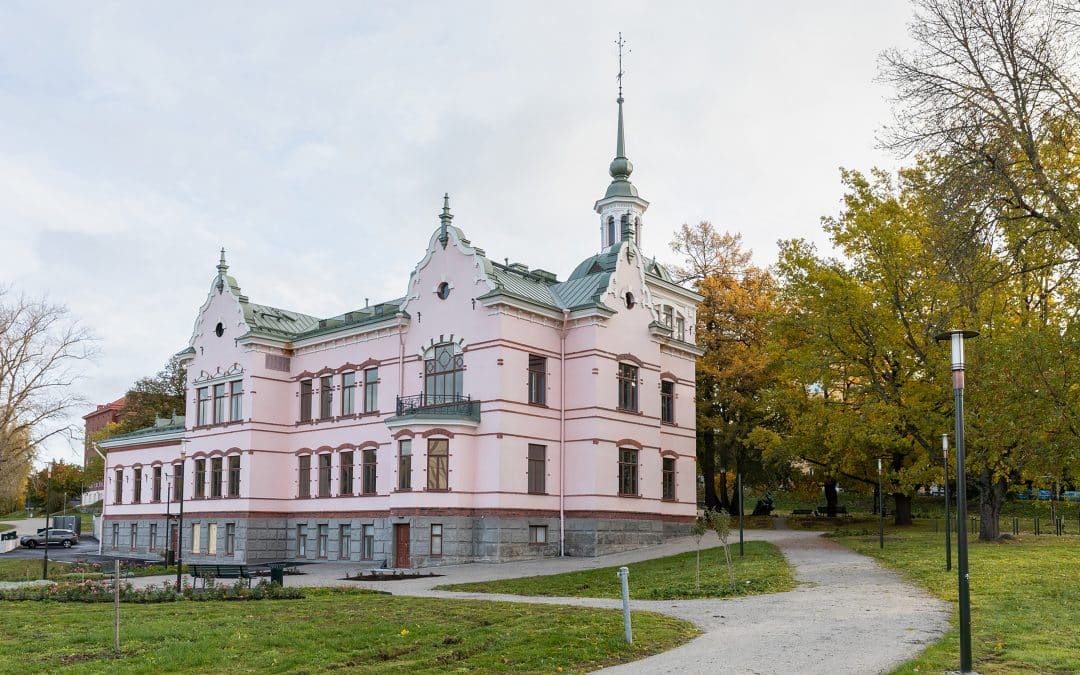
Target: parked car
point(65, 538)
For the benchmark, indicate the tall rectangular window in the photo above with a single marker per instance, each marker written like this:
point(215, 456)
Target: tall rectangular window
point(153, 537)
point(301, 541)
point(157, 484)
point(236, 400)
point(305, 400)
point(628, 471)
point(196, 538)
point(669, 316)
point(438, 464)
point(324, 475)
point(230, 538)
point(118, 486)
point(202, 406)
point(436, 541)
point(404, 480)
point(304, 476)
point(211, 539)
point(371, 390)
point(215, 477)
point(234, 476)
point(344, 541)
point(324, 540)
point(628, 376)
point(326, 397)
point(538, 534)
point(116, 536)
point(137, 485)
point(370, 457)
point(348, 393)
point(669, 478)
point(667, 401)
point(178, 482)
point(537, 469)
point(680, 328)
point(537, 379)
point(200, 478)
point(345, 482)
point(134, 535)
point(219, 403)
point(367, 550)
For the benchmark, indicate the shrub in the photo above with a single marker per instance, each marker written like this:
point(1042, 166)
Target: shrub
point(92, 590)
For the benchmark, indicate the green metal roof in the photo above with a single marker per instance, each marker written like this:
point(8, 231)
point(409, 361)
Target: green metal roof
point(274, 322)
point(148, 431)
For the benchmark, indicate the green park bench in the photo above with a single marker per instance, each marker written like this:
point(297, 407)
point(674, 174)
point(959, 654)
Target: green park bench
point(824, 510)
point(204, 572)
point(802, 512)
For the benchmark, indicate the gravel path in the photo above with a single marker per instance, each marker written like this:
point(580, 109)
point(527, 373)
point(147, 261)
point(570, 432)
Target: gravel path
point(848, 614)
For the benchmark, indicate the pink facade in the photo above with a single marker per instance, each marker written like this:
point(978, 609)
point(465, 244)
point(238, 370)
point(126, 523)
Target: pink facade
point(537, 416)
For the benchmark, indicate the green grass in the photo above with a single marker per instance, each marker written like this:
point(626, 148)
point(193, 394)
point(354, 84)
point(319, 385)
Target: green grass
point(28, 569)
point(349, 630)
point(4, 527)
point(1025, 598)
point(762, 570)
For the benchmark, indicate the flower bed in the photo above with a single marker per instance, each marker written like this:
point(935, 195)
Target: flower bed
point(92, 590)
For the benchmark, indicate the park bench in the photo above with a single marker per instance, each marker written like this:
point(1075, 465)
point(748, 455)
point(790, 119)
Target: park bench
point(802, 512)
point(824, 510)
point(204, 572)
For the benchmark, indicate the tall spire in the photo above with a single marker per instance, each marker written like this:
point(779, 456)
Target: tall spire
point(222, 268)
point(621, 167)
point(444, 218)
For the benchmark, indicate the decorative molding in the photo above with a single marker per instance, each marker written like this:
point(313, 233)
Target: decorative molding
point(629, 442)
point(437, 432)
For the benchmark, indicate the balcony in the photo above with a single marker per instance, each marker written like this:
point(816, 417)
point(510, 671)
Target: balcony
point(435, 409)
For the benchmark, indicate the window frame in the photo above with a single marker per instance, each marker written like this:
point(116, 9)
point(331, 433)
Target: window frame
point(444, 383)
point(435, 536)
point(438, 465)
point(371, 390)
point(369, 458)
point(325, 474)
point(200, 479)
point(405, 465)
point(344, 541)
point(136, 485)
point(629, 472)
point(627, 377)
point(326, 397)
point(348, 393)
point(367, 541)
point(152, 545)
point(134, 536)
point(219, 403)
point(537, 379)
point(155, 490)
point(196, 538)
point(303, 480)
point(667, 402)
point(346, 462)
point(236, 401)
point(233, 472)
point(301, 540)
point(202, 406)
point(211, 538)
point(322, 541)
point(118, 486)
point(535, 530)
point(217, 477)
point(305, 400)
point(536, 470)
point(230, 538)
point(668, 468)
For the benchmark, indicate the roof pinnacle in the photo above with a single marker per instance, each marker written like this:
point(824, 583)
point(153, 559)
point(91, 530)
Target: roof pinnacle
point(621, 167)
point(221, 266)
point(444, 218)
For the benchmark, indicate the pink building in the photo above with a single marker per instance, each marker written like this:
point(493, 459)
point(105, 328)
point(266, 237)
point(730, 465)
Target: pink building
point(491, 413)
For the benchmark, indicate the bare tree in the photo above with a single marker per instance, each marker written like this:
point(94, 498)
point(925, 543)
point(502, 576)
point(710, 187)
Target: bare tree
point(707, 252)
point(42, 353)
point(994, 83)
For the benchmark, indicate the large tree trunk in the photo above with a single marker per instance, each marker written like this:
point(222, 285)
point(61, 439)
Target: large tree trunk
point(903, 509)
point(831, 498)
point(708, 468)
point(725, 502)
point(991, 496)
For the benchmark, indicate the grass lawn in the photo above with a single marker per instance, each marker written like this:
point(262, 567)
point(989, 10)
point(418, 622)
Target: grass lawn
point(1025, 598)
point(27, 569)
point(4, 527)
point(329, 630)
point(762, 570)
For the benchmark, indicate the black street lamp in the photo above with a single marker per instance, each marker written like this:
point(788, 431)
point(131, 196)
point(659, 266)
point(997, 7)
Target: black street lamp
point(948, 525)
point(48, 492)
point(180, 522)
point(738, 477)
point(957, 337)
point(880, 506)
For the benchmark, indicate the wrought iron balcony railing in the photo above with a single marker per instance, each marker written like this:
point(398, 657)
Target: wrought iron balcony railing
point(439, 405)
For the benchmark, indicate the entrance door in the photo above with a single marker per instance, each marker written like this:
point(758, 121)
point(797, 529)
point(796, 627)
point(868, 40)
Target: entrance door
point(401, 546)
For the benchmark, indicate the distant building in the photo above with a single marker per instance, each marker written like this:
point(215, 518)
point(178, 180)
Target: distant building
point(491, 413)
point(104, 415)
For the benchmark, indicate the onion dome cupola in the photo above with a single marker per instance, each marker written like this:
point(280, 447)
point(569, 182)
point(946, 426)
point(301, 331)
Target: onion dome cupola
point(621, 209)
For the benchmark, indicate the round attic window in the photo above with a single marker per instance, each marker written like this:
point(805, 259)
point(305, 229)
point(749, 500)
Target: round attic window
point(219, 330)
point(443, 291)
point(629, 300)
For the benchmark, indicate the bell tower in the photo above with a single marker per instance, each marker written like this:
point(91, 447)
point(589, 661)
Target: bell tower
point(621, 209)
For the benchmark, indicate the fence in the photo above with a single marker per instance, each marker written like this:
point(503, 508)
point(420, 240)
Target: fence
point(1036, 525)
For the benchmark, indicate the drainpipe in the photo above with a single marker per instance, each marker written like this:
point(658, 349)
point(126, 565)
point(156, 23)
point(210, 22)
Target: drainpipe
point(562, 432)
point(104, 495)
point(401, 354)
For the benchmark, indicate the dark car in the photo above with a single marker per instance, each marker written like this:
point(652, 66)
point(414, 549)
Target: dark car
point(65, 538)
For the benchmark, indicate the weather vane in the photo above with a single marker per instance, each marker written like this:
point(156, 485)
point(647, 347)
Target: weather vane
point(622, 44)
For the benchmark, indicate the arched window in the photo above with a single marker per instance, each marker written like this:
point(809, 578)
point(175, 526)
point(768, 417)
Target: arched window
point(637, 231)
point(444, 374)
point(625, 223)
point(610, 230)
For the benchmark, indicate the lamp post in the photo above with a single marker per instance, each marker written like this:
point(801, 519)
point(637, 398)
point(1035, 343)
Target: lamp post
point(168, 516)
point(948, 525)
point(48, 491)
point(956, 338)
point(180, 521)
point(880, 506)
point(739, 481)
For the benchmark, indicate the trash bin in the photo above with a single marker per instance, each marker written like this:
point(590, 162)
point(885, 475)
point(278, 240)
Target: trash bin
point(277, 574)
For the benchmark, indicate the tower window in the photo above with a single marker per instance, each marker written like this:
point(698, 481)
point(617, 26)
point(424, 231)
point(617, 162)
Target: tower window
point(610, 230)
point(637, 232)
point(625, 223)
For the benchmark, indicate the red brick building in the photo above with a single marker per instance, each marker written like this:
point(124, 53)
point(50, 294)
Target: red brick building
point(98, 419)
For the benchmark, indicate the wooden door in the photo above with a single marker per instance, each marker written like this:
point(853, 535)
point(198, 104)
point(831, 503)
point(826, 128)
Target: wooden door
point(401, 546)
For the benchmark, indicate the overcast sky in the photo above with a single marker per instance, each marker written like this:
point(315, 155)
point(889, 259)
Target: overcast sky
point(314, 142)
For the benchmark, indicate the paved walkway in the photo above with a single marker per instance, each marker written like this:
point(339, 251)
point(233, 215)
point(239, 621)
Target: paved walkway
point(848, 614)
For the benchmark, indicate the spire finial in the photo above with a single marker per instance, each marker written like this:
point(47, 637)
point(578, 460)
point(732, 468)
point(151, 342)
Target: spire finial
point(444, 218)
point(621, 43)
point(221, 266)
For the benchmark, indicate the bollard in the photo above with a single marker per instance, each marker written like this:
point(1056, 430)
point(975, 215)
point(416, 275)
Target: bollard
point(624, 578)
point(1037, 526)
